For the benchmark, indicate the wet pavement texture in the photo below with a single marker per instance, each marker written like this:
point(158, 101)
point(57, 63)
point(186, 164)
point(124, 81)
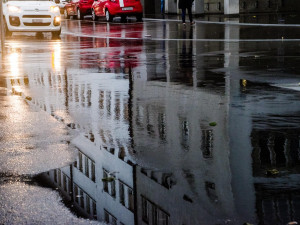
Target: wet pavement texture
point(152, 123)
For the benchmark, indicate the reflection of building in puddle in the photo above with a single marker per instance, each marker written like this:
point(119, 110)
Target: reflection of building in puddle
point(98, 189)
point(172, 136)
point(147, 153)
point(275, 149)
point(178, 155)
point(276, 154)
point(163, 129)
point(100, 182)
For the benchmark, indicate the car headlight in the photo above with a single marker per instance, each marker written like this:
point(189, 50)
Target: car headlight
point(13, 9)
point(54, 9)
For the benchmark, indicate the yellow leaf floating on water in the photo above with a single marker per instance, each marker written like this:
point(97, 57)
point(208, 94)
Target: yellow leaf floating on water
point(272, 172)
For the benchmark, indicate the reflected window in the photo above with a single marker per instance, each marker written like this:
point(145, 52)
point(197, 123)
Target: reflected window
point(113, 221)
point(211, 190)
point(122, 193)
point(87, 167)
point(76, 193)
point(105, 183)
point(81, 199)
point(75, 164)
point(122, 153)
point(163, 218)
point(166, 180)
point(125, 111)
point(207, 143)
point(150, 210)
point(130, 200)
point(65, 182)
point(69, 187)
point(101, 100)
point(80, 161)
point(106, 216)
point(145, 210)
point(59, 177)
point(89, 96)
point(55, 176)
point(112, 150)
point(94, 209)
point(93, 172)
point(155, 218)
point(162, 126)
point(108, 103)
point(113, 188)
point(117, 107)
point(88, 206)
point(102, 136)
point(185, 132)
point(109, 218)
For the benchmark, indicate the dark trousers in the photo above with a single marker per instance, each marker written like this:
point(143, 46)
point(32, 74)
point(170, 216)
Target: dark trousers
point(184, 13)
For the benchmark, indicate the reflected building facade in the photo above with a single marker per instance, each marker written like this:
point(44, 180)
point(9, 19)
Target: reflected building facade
point(143, 121)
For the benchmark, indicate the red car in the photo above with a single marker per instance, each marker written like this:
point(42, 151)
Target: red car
point(78, 8)
point(112, 8)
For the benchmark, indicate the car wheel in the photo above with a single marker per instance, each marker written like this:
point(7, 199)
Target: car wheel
point(108, 16)
point(79, 15)
point(66, 14)
point(94, 16)
point(56, 33)
point(7, 32)
point(139, 17)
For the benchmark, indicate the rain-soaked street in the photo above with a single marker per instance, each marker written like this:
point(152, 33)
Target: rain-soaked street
point(152, 123)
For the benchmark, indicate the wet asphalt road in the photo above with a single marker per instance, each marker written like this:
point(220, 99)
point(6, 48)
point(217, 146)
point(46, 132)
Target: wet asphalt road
point(152, 122)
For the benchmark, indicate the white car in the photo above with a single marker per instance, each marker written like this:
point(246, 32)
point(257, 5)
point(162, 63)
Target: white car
point(31, 16)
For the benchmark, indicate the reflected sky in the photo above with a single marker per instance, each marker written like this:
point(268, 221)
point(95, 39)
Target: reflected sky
point(168, 131)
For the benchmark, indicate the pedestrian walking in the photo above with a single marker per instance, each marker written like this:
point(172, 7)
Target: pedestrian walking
point(162, 6)
point(186, 5)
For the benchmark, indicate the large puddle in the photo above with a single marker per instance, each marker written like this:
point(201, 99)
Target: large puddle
point(131, 130)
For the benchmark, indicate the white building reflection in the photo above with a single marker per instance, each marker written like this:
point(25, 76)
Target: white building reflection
point(147, 153)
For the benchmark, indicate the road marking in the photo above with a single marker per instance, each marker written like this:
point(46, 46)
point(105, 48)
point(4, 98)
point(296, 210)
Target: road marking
point(178, 39)
point(226, 23)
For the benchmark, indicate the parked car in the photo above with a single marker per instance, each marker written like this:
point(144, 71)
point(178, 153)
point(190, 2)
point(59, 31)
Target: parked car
point(112, 8)
point(31, 16)
point(61, 4)
point(78, 8)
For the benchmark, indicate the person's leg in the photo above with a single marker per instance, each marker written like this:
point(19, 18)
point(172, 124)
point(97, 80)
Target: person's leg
point(183, 14)
point(190, 14)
